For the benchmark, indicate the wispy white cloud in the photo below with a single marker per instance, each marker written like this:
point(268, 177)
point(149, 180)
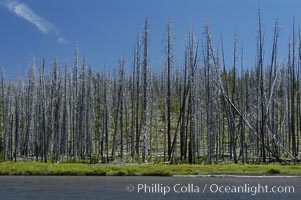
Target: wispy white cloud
point(62, 40)
point(23, 11)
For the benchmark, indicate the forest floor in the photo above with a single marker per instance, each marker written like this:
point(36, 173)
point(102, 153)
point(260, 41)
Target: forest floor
point(82, 169)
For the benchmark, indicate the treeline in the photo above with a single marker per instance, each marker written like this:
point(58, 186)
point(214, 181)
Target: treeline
point(199, 112)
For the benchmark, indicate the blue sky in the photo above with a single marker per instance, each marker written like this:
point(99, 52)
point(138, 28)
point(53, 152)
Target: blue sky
point(107, 29)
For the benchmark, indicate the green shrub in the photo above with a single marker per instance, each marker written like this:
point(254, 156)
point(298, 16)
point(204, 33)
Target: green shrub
point(273, 171)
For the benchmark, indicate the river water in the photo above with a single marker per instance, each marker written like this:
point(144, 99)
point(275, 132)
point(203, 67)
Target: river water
point(98, 188)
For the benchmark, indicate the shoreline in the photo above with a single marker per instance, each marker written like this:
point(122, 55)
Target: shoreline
point(183, 170)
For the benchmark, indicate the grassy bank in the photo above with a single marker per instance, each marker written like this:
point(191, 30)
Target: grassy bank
point(78, 169)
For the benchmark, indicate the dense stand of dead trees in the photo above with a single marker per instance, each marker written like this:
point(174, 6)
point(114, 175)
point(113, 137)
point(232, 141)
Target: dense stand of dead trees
point(200, 111)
